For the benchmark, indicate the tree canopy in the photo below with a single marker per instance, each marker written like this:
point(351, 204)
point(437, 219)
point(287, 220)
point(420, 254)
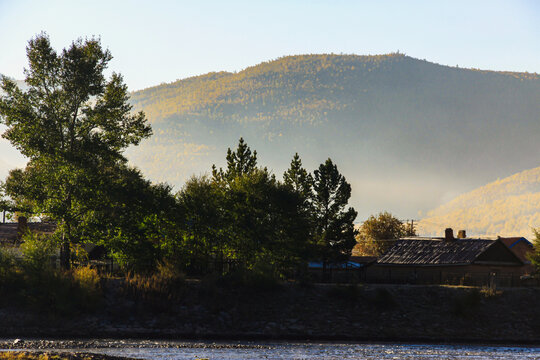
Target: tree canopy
point(334, 229)
point(71, 123)
point(378, 233)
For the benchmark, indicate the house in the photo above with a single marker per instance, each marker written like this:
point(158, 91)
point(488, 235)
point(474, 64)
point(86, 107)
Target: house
point(11, 233)
point(521, 247)
point(448, 260)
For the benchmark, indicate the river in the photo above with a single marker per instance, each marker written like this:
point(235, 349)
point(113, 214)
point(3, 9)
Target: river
point(313, 351)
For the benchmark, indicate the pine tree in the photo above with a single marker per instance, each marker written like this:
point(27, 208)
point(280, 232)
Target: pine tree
point(297, 178)
point(334, 229)
point(239, 163)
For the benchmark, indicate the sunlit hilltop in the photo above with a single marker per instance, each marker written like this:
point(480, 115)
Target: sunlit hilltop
point(506, 207)
point(409, 134)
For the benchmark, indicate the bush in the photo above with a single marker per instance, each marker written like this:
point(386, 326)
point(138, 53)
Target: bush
point(7, 262)
point(87, 279)
point(37, 251)
point(166, 283)
point(262, 278)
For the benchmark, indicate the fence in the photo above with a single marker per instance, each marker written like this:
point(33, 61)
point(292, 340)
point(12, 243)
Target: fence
point(386, 276)
point(441, 277)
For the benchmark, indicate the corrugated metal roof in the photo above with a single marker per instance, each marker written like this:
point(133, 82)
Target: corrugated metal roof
point(435, 251)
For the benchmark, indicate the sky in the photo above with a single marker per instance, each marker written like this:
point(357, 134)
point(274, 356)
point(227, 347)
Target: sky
point(161, 41)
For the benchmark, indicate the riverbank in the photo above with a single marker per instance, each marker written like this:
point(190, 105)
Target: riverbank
point(40, 355)
point(209, 310)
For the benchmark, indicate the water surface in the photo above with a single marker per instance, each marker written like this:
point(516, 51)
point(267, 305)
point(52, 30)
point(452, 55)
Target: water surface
point(244, 351)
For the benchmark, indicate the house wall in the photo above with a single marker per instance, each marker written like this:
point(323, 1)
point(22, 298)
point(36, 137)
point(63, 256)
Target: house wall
point(475, 274)
point(522, 249)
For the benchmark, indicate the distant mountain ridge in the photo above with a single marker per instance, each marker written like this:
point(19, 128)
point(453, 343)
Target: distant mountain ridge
point(408, 134)
point(507, 207)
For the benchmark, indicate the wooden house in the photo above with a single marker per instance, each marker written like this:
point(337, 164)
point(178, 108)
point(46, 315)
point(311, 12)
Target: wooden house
point(11, 233)
point(448, 260)
point(521, 247)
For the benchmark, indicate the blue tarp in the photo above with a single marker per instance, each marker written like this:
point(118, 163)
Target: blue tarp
point(343, 265)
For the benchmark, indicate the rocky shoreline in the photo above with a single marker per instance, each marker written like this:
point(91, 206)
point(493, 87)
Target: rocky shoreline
point(368, 313)
point(41, 355)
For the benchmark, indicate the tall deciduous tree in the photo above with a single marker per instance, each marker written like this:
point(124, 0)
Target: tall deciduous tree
point(70, 123)
point(335, 228)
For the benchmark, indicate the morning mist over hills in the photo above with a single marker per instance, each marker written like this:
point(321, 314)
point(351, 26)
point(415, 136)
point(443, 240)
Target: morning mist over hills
point(408, 134)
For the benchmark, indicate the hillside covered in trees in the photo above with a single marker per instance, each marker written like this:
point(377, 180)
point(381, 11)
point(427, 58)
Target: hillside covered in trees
point(409, 134)
point(505, 207)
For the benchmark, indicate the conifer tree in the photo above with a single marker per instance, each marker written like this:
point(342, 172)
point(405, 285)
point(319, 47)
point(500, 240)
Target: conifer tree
point(297, 178)
point(239, 163)
point(334, 229)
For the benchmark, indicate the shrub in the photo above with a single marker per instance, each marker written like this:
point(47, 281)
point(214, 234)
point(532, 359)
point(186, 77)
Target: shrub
point(7, 262)
point(87, 279)
point(37, 251)
point(259, 279)
point(166, 283)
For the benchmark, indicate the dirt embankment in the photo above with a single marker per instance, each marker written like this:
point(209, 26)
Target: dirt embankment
point(317, 312)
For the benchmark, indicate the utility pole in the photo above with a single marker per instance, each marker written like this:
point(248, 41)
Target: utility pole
point(410, 226)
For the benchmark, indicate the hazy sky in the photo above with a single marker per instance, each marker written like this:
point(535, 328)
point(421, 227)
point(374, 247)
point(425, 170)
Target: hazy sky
point(161, 41)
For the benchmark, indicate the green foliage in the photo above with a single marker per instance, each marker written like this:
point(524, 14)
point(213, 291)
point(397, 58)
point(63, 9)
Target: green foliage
point(534, 256)
point(243, 218)
point(239, 163)
point(377, 233)
point(71, 123)
point(7, 262)
point(137, 221)
point(334, 229)
point(37, 251)
point(261, 278)
point(205, 237)
point(300, 181)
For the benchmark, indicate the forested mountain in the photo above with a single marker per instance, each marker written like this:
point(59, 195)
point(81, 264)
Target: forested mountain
point(507, 207)
point(407, 133)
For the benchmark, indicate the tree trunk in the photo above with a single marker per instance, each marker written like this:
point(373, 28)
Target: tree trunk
point(65, 253)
